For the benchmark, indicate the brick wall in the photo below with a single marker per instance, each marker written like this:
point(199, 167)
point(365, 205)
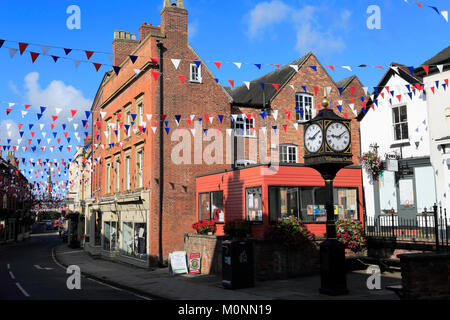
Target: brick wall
point(425, 276)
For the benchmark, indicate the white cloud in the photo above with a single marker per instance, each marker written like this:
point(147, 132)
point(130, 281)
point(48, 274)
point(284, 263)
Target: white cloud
point(12, 86)
point(265, 14)
point(311, 34)
point(56, 95)
point(9, 131)
point(193, 28)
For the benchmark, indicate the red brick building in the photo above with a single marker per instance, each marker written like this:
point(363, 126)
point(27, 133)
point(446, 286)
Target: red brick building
point(275, 105)
point(143, 202)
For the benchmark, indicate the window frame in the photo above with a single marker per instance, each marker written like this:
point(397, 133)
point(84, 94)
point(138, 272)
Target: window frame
point(400, 123)
point(299, 203)
point(117, 174)
point(289, 147)
point(243, 121)
point(140, 168)
point(127, 174)
point(192, 73)
point(108, 177)
point(210, 193)
point(247, 189)
point(311, 112)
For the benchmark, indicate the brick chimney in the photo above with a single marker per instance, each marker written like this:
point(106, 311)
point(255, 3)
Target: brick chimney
point(174, 22)
point(12, 159)
point(123, 44)
point(145, 29)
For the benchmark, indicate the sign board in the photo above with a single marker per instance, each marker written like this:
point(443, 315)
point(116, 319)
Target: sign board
point(177, 262)
point(392, 165)
point(194, 263)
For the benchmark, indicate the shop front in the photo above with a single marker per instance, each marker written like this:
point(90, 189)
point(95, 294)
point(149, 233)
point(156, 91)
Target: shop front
point(260, 195)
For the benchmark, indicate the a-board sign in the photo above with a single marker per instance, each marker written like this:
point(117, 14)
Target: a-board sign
point(194, 263)
point(177, 261)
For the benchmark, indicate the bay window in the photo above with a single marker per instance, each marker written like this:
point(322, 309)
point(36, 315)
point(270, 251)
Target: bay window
point(211, 206)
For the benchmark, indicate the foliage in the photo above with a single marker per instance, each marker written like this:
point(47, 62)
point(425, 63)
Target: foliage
point(205, 226)
point(290, 231)
point(237, 228)
point(350, 232)
point(371, 162)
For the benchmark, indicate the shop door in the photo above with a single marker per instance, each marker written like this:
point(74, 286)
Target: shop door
point(406, 200)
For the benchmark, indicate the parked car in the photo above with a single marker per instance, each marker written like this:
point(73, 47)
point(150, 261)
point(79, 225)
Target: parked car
point(56, 224)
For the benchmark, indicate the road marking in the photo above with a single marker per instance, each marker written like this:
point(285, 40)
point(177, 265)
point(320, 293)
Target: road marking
point(11, 275)
point(22, 289)
point(40, 268)
point(37, 266)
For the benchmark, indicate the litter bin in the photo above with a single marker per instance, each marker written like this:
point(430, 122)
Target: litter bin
point(237, 264)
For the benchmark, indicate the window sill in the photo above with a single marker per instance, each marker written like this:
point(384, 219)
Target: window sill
point(245, 136)
point(400, 143)
point(195, 81)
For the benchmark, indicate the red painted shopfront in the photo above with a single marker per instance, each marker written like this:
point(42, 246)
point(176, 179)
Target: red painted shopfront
point(261, 194)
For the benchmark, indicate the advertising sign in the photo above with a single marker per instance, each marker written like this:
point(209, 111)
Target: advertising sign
point(177, 262)
point(194, 263)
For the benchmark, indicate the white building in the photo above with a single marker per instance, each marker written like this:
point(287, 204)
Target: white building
point(397, 126)
point(438, 106)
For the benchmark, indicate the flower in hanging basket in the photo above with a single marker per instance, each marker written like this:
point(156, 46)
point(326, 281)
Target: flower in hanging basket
point(371, 162)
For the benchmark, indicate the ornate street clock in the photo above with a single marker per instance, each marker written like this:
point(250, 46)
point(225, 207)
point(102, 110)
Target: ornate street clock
point(327, 142)
point(328, 149)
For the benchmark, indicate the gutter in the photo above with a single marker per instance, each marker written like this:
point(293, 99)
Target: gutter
point(161, 153)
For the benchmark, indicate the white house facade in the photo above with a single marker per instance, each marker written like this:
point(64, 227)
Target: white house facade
point(396, 126)
point(438, 107)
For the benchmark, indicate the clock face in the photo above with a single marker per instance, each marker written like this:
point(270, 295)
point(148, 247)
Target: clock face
point(313, 138)
point(338, 136)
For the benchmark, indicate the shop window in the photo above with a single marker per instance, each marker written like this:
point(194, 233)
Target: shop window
point(211, 206)
point(400, 123)
point(308, 203)
point(110, 242)
point(253, 204)
point(98, 228)
point(134, 239)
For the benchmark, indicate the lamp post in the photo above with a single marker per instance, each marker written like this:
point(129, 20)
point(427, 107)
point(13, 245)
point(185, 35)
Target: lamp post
point(327, 141)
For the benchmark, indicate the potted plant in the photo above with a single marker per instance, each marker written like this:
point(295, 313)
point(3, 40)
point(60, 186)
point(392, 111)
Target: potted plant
point(291, 232)
point(237, 229)
point(372, 163)
point(350, 232)
point(205, 227)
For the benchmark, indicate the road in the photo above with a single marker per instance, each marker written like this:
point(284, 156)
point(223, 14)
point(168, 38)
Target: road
point(29, 272)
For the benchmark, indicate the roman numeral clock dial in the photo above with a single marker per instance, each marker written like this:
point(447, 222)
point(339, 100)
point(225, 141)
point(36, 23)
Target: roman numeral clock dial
point(337, 136)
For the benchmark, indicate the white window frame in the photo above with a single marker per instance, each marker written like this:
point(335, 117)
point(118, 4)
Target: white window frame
point(108, 178)
point(195, 73)
point(247, 125)
point(128, 171)
point(300, 103)
point(399, 123)
point(139, 168)
point(117, 174)
point(290, 148)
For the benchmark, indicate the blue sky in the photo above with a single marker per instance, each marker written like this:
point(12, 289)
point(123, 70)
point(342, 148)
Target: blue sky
point(267, 32)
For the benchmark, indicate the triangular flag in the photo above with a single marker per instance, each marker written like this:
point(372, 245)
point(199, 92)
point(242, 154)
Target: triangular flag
point(294, 66)
point(89, 54)
point(218, 64)
point(116, 70)
point(22, 47)
point(133, 59)
point(237, 64)
point(12, 52)
point(182, 78)
point(67, 51)
point(445, 14)
point(176, 62)
point(34, 56)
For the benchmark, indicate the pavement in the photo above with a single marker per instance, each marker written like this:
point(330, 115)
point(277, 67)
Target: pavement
point(159, 284)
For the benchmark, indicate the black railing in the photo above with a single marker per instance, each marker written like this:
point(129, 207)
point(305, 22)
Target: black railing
point(428, 227)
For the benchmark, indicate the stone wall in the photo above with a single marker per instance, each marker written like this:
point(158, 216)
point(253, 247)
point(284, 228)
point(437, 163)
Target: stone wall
point(272, 260)
point(425, 275)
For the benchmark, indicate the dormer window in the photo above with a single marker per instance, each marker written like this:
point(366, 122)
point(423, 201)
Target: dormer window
point(304, 106)
point(195, 73)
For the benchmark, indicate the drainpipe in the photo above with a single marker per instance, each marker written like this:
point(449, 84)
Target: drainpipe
point(161, 153)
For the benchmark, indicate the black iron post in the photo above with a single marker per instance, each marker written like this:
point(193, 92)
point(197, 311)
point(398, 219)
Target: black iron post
point(436, 226)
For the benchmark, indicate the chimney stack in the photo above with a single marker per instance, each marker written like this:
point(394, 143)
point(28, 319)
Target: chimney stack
point(174, 22)
point(12, 159)
point(123, 44)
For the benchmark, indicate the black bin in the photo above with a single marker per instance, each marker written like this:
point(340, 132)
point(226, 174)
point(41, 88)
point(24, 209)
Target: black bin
point(237, 264)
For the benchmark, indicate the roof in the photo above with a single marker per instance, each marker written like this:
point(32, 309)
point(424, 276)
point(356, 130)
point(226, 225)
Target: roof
point(403, 72)
point(443, 57)
point(254, 96)
point(345, 82)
